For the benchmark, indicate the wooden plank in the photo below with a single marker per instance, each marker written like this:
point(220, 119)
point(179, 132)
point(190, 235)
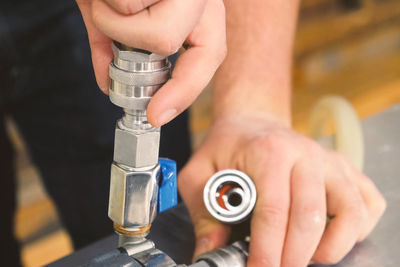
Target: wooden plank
point(317, 33)
point(46, 250)
point(357, 68)
point(31, 218)
point(366, 103)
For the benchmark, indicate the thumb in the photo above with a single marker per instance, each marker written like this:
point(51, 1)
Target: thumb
point(210, 233)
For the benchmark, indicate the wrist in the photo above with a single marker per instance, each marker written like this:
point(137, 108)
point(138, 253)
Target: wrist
point(254, 122)
point(252, 102)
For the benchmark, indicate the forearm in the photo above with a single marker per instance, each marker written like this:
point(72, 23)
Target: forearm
point(255, 76)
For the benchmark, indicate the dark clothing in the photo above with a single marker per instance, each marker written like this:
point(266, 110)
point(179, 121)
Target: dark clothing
point(47, 86)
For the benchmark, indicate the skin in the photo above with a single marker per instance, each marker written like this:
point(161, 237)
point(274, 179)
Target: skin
point(198, 24)
point(298, 182)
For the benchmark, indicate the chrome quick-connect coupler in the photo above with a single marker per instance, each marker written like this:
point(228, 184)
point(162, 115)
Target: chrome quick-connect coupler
point(230, 196)
point(135, 76)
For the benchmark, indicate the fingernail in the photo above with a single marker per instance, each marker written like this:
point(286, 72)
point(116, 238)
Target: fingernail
point(202, 245)
point(166, 116)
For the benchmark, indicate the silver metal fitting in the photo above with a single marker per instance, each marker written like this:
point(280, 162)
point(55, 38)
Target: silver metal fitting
point(234, 255)
point(133, 196)
point(147, 254)
point(153, 258)
point(136, 149)
point(144, 253)
point(138, 246)
point(135, 76)
point(230, 196)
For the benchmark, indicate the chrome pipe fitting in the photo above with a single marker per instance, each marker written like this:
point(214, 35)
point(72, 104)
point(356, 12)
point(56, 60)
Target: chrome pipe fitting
point(133, 198)
point(230, 196)
point(135, 76)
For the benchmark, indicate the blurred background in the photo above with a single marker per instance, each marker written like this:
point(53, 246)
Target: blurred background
point(349, 48)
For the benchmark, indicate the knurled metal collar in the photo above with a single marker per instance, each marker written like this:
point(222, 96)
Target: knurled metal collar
point(147, 78)
point(135, 76)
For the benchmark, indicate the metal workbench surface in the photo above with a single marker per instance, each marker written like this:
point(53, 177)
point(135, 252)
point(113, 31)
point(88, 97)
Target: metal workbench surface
point(172, 230)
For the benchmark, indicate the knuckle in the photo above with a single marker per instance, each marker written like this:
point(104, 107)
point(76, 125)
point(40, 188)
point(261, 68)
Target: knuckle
point(96, 14)
point(329, 257)
point(363, 213)
point(358, 213)
point(311, 217)
point(345, 164)
point(269, 143)
point(167, 45)
point(273, 215)
point(270, 149)
point(378, 207)
point(341, 158)
point(222, 53)
point(127, 7)
point(262, 260)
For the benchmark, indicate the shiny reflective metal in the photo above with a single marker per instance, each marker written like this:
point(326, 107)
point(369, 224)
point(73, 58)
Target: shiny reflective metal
point(135, 76)
point(380, 249)
point(154, 258)
point(230, 196)
point(145, 253)
point(234, 255)
point(136, 148)
point(139, 245)
point(133, 196)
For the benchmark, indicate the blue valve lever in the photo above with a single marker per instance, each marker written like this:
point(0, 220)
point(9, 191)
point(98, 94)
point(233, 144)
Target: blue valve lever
point(168, 192)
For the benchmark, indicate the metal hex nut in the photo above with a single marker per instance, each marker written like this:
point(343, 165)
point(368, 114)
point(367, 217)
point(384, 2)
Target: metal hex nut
point(136, 55)
point(133, 196)
point(135, 149)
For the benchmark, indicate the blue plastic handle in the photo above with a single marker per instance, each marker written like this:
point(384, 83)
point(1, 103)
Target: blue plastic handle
point(168, 192)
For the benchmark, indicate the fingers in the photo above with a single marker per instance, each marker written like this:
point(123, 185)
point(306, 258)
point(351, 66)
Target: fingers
point(162, 28)
point(193, 71)
point(100, 46)
point(374, 202)
point(209, 232)
point(373, 199)
point(269, 222)
point(307, 215)
point(201, 24)
point(194, 68)
point(347, 209)
point(129, 7)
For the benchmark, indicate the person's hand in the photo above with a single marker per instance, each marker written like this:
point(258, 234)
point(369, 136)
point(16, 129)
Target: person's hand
point(162, 27)
point(299, 184)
